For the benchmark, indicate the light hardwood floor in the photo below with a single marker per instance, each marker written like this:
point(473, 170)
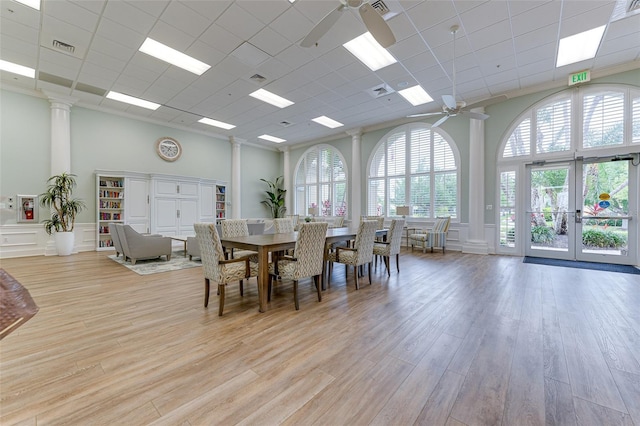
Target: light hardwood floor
point(452, 339)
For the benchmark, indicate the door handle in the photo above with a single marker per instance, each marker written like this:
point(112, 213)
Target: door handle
point(578, 216)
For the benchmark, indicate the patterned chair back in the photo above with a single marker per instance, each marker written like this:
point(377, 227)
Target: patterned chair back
point(210, 250)
point(394, 236)
point(234, 228)
point(364, 241)
point(310, 249)
point(283, 225)
point(379, 219)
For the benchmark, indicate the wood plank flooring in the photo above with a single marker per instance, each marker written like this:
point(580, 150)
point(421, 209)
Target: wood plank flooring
point(452, 339)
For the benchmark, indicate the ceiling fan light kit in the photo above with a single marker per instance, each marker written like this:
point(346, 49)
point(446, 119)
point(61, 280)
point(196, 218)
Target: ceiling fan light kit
point(451, 107)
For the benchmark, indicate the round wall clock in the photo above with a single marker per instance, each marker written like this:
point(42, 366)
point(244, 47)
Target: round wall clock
point(168, 149)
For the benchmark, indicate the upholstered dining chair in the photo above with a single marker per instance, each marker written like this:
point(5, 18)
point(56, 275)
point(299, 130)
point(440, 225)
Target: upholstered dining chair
point(307, 262)
point(360, 254)
point(436, 236)
point(215, 267)
point(391, 246)
point(378, 219)
point(283, 225)
point(237, 228)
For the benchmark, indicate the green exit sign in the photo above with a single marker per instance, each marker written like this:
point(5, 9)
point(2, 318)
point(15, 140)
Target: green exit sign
point(579, 77)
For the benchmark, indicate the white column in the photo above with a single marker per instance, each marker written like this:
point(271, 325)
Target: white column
point(287, 179)
point(355, 206)
point(475, 242)
point(236, 204)
point(60, 146)
point(60, 134)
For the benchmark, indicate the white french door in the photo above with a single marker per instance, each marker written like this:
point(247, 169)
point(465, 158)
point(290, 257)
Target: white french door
point(582, 210)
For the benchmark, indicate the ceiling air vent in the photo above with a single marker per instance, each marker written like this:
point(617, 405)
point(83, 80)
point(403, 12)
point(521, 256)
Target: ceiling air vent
point(633, 5)
point(625, 9)
point(65, 47)
point(258, 78)
point(380, 90)
point(381, 7)
point(54, 79)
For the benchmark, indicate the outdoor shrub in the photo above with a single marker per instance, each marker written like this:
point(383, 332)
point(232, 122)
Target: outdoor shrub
point(602, 239)
point(511, 235)
point(542, 234)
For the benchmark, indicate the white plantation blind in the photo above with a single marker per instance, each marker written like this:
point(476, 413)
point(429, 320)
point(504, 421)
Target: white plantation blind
point(416, 167)
point(519, 142)
point(635, 121)
point(321, 180)
point(603, 119)
point(554, 127)
point(508, 217)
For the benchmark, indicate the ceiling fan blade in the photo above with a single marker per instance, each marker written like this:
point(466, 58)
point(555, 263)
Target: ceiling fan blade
point(425, 114)
point(439, 122)
point(322, 27)
point(476, 115)
point(376, 25)
point(449, 101)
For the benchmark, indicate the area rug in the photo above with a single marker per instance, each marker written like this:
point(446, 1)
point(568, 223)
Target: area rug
point(155, 266)
point(610, 267)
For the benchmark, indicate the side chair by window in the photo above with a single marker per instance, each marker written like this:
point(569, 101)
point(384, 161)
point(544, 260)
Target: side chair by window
point(215, 267)
point(433, 237)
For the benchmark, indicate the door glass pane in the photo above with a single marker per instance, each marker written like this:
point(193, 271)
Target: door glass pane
point(508, 209)
point(549, 209)
point(605, 228)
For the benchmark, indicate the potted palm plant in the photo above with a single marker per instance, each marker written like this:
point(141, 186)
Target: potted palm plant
point(275, 197)
point(64, 209)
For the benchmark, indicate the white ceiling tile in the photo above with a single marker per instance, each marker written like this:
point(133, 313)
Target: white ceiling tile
point(221, 39)
point(408, 47)
point(585, 21)
point(270, 41)
point(178, 15)
point(152, 7)
point(485, 15)
point(292, 25)
point(543, 16)
point(120, 34)
point(210, 10)
point(18, 51)
point(427, 14)
point(113, 49)
point(59, 64)
point(265, 11)
point(24, 15)
point(576, 8)
point(238, 22)
point(546, 52)
point(273, 69)
point(295, 56)
point(539, 37)
point(126, 14)
point(72, 13)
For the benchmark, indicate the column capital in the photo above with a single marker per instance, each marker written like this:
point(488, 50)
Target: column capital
point(236, 141)
point(284, 149)
point(56, 98)
point(354, 132)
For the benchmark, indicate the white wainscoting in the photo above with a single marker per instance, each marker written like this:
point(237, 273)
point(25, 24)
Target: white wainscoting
point(22, 240)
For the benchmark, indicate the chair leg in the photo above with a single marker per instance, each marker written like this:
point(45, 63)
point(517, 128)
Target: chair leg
point(329, 272)
point(387, 263)
point(369, 268)
point(398, 262)
point(206, 292)
point(355, 274)
point(270, 282)
point(316, 279)
point(295, 294)
point(221, 299)
point(241, 288)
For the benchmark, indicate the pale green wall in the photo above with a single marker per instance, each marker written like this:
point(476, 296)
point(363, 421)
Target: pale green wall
point(111, 142)
point(257, 164)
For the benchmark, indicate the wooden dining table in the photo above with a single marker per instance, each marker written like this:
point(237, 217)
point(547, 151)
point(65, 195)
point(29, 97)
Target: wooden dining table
point(266, 243)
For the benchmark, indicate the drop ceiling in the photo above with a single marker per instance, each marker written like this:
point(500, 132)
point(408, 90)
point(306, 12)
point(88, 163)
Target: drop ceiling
point(83, 49)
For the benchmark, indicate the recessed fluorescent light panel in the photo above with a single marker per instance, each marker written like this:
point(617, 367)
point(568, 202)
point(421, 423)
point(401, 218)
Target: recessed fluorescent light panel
point(34, 4)
point(133, 101)
point(271, 138)
point(416, 95)
point(172, 56)
point(328, 122)
point(271, 98)
point(369, 51)
point(579, 47)
point(216, 123)
point(17, 69)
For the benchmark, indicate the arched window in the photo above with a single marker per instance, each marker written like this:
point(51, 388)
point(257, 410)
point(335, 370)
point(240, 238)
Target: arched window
point(416, 166)
point(321, 182)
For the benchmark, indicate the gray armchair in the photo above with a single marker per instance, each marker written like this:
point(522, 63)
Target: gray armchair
point(136, 246)
point(116, 240)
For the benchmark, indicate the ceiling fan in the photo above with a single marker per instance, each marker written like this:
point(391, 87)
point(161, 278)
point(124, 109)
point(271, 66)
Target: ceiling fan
point(375, 23)
point(451, 108)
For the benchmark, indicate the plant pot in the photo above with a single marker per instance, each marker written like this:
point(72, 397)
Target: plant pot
point(64, 243)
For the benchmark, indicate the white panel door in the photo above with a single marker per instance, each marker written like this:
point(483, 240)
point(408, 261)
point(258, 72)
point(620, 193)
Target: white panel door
point(188, 215)
point(137, 204)
point(165, 216)
point(188, 189)
point(207, 202)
